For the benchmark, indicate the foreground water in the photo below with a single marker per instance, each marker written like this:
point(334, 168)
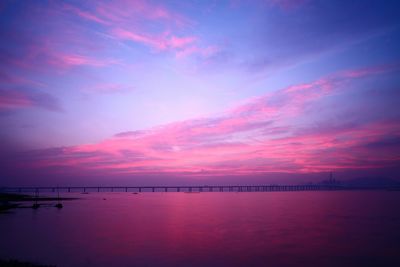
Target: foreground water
point(209, 229)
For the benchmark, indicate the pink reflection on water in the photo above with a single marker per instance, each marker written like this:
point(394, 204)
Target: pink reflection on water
point(209, 229)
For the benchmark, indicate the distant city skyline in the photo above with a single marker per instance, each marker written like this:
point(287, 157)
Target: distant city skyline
point(198, 91)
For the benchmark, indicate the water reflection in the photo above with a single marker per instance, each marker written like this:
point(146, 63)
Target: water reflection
point(209, 229)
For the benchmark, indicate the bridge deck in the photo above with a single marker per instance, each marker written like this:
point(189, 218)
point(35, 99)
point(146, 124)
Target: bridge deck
point(185, 188)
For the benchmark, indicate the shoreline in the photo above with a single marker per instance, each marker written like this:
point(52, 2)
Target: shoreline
point(9, 201)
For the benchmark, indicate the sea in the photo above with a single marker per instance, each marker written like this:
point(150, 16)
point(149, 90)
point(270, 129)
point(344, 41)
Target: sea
point(309, 228)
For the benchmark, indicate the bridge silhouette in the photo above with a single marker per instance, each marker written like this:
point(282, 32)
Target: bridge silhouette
point(180, 188)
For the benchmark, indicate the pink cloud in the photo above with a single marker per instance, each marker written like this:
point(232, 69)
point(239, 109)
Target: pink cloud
point(72, 60)
point(16, 80)
point(254, 138)
point(134, 21)
point(45, 56)
point(19, 92)
point(164, 41)
point(124, 12)
point(152, 41)
point(372, 70)
point(14, 99)
point(176, 42)
point(85, 14)
point(181, 46)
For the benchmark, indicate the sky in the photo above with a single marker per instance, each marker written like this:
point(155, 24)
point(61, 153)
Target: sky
point(143, 92)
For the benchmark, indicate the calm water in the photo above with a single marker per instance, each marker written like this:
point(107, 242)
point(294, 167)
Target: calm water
point(209, 229)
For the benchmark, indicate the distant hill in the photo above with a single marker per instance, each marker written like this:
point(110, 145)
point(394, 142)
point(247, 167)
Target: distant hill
point(372, 182)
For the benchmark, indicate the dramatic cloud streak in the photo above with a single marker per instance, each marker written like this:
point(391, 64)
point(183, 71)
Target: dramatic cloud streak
point(258, 137)
point(134, 21)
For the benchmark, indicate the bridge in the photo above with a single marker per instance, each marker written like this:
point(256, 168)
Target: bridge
point(181, 188)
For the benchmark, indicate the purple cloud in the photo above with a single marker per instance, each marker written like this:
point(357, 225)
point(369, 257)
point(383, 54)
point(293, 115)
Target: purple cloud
point(15, 99)
point(257, 137)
